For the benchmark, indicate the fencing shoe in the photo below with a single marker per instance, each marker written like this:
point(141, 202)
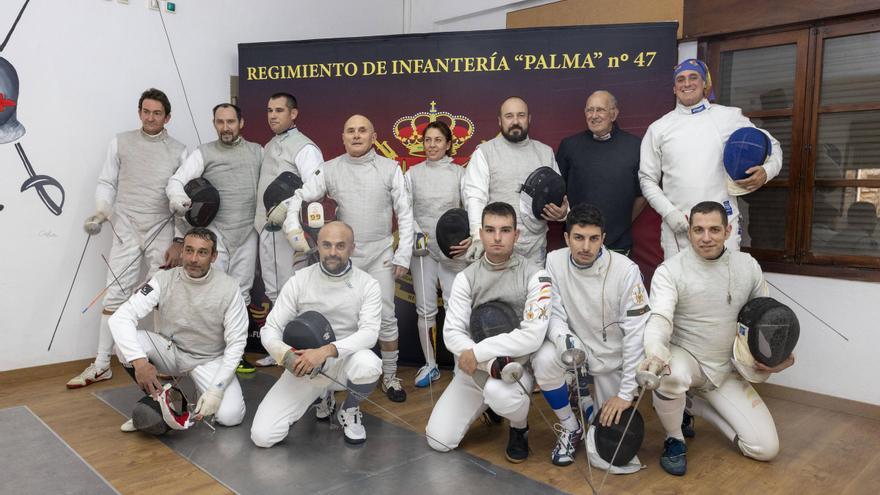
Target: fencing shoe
point(89, 376)
point(518, 445)
point(351, 420)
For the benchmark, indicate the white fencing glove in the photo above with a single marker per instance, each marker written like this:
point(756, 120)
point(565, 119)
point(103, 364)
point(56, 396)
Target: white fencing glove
point(475, 252)
point(93, 223)
point(209, 402)
point(677, 221)
point(179, 204)
point(277, 215)
point(297, 240)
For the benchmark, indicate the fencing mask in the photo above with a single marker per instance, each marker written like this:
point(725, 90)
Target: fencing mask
point(767, 332)
point(452, 228)
point(158, 416)
point(603, 440)
point(745, 148)
point(278, 190)
point(309, 330)
point(205, 202)
point(10, 128)
point(542, 187)
point(492, 318)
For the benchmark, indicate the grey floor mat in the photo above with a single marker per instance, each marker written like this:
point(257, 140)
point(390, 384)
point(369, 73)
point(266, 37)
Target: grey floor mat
point(315, 459)
point(36, 460)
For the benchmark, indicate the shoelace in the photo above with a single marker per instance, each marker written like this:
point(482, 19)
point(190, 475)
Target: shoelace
point(394, 383)
point(564, 436)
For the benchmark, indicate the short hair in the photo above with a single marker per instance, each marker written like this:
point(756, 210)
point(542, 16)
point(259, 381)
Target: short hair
point(585, 214)
point(444, 129)
point(500, 209)
point(227, 105)
point(291, 100)
point(511, 97)
point(205, 234)
point(158, 95)
point(611, 98)
point(706, 207)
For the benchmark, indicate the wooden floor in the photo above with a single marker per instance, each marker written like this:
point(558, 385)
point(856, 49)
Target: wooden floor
point(822, 451)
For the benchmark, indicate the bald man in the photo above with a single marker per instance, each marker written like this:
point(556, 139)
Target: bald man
point(601, 167)
point(496, 171)
point(351, 302)
point(368, 189)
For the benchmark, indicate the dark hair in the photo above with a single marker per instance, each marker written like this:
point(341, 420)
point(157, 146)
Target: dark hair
point(585, 214)
point(155, 94)
point(444, 129)
point(501, 209)
point(227, 105)
point(291, 100)
point(706, 207)
point(205, 234)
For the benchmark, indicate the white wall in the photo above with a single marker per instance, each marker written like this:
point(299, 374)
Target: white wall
point(82, 64)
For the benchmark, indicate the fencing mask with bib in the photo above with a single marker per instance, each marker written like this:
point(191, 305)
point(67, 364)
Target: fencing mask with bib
point(745, 148)
point(278, 190)
point(10, 128)
point(205, 202)
point(603, 440)
point(167, 412)
point(542, 187)
point(488, 320)
point(452, 228)
point(767, 332)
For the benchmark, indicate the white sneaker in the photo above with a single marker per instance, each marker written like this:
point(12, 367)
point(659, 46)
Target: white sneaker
point(325, 408)
point(89, 376)
point(352, 425)
point(266, 361)
point(426, 375)
point(128, 426)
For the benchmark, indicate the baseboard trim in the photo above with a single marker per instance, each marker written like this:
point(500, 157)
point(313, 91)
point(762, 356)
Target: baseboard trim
point(837, 404)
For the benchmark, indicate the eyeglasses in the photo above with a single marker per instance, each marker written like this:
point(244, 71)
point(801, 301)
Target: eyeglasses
point(599, 110)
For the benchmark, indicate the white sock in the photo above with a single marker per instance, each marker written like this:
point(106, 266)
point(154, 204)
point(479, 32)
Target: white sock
point(567, 418)
point(670, 411)
point(389, 363)
point(425, 340)
point(105, 344)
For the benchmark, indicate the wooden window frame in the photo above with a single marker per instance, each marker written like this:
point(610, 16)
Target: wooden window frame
point(809, 38)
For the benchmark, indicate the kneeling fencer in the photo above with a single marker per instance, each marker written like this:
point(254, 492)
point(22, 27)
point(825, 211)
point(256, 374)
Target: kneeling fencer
point(599, 305)
point(501, 276)
point(351, 302)
point(696, 296)
point(202, 330)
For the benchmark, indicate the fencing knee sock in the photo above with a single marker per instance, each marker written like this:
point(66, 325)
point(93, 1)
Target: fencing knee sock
point(389, 363)
point(558, 401)
point(357, 393)
point(425, 326)
point(669, 411)
point(105, 343)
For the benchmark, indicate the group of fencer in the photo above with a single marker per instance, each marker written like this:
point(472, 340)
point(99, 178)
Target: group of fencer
point(516, 317)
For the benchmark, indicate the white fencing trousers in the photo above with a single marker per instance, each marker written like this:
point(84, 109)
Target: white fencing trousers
point(241, 264)
point(550, 374)
point(426, 304)
point(278, 265)
point(464, 401)
point(161, 354)
point(673, 244)
point(735, 401)
point(291, 396)
point(130, 238)
point(378, 264)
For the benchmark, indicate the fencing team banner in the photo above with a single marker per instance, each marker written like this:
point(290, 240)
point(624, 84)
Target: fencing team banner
point(403, 82)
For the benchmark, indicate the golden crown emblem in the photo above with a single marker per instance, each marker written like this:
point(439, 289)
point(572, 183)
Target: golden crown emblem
point(409, 129)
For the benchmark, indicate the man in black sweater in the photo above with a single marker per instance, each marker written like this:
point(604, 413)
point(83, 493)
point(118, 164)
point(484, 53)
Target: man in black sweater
point(601, 167)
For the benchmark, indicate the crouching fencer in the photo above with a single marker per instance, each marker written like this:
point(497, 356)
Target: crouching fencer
point(600, 306)
point(508, 278)
point(351, 302)
point(695, 298)
point(202, 330)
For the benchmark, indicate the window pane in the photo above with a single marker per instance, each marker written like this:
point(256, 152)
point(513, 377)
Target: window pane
point(780, 128)
point(850, 71)
point(845, 221)
point(848, 145)
point(758, 79)
point(764, 214)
